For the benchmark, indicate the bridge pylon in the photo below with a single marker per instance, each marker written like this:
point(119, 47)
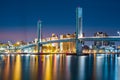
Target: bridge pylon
point(39, 36)
point(78, 30)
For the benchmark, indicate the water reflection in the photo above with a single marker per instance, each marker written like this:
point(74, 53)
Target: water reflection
point(7, 66)
point(55, 66)
point(105, 68)
point(118, 67)
point(60, 67)
point(81, 73)
point(17, 68)
point(68, 63)
point(99, 66)
point(48, 68)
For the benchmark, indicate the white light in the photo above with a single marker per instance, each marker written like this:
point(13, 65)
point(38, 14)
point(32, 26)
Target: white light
point(58, 56)
point(27, 54)
point(118, 33)
point(12, 55)
point(22, 55)
point(53, 44)
point(118, 57)
point(33, 55)
point(83, 56)
point(100, 56)
point(2, 55)
point(47, 56)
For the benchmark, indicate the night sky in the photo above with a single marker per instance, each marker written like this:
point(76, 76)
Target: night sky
point(18, 18)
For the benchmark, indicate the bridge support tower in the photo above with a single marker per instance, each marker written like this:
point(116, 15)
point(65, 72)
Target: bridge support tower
point(39, 36)
point(78, 30)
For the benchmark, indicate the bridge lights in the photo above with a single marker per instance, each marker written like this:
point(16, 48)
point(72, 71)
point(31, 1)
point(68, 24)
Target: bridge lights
point(118, 33)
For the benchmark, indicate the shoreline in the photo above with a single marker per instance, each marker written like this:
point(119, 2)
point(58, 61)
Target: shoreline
point(82, 54)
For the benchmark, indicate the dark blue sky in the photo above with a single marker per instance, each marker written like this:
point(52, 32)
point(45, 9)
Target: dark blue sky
point(18, 18)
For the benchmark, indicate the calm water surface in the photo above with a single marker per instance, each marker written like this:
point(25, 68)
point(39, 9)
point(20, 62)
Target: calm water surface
point(60, 67)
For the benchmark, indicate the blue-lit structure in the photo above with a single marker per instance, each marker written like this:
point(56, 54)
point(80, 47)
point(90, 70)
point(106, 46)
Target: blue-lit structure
point(78, 29)
point(39, 35)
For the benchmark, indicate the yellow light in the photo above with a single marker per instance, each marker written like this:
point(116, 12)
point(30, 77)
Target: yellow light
point(17, 69)
point(7, 51)
point(35, 51)
point(48, 71)
point(18, 43)
point(18, 51)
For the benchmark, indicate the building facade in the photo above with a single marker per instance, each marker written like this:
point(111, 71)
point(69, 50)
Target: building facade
point(67, 47)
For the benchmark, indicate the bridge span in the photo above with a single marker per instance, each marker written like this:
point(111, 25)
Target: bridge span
point(110, 38)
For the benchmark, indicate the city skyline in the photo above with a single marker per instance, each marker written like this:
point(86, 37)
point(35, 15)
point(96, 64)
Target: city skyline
point(19, 18)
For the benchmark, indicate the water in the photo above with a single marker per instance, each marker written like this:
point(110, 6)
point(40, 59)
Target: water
point(60, 67)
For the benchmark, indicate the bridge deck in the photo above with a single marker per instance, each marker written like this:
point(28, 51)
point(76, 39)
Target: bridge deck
point(110, 38)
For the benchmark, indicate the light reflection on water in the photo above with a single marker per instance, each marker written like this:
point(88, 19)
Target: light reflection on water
point(60, 67)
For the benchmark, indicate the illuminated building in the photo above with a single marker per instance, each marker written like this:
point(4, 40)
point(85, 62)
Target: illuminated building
point(67, 46)
point(35, 40)
point(55, 45)
point(101, 43)
point(105, 46)
point(51, 47)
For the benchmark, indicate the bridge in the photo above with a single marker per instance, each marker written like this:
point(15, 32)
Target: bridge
point(77, 39)
point(110, 38)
